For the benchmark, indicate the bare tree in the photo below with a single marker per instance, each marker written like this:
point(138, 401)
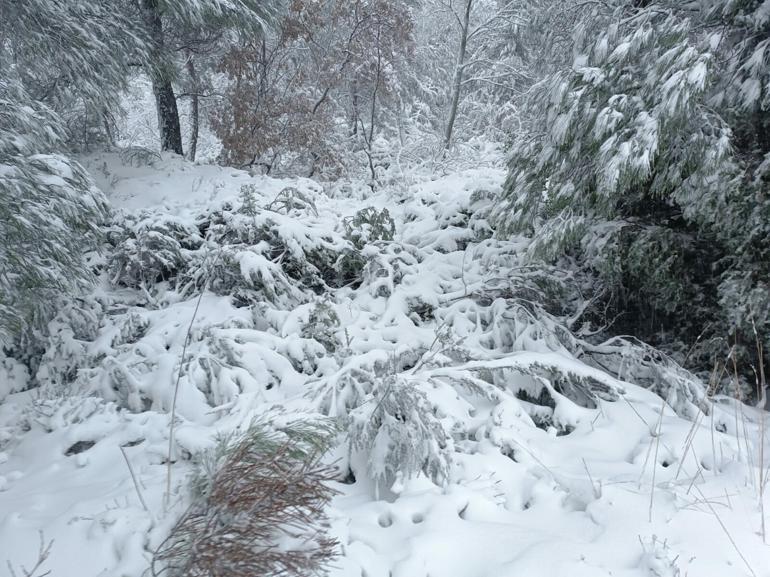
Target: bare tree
point(316, 87)
point(464, 24)
point(194, 106)
point(483, 47)
point(380, 46)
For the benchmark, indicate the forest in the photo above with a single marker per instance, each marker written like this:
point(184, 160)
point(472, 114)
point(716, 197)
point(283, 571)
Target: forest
point(384, 288)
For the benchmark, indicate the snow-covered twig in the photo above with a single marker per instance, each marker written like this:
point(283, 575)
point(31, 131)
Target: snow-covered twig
point(44, 552)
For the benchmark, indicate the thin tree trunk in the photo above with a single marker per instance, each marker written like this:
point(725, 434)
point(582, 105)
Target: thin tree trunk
point(108, 129)
point(194, 108)
point(165, 99)
point(458, 80)
point(354, 130)
point(373, 112)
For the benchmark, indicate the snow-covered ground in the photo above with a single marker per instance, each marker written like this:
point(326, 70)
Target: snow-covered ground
point(539, 458)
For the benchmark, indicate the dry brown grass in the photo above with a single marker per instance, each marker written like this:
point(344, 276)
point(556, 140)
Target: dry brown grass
point(260, 511)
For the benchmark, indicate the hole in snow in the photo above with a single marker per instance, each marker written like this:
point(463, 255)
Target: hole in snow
point(417, 518)
point(349, 478)
point(462, 512)
point(239, 301)
point(79, 447)
point(409, 365)
point(509, 452)
point(385, 520)
point(665, 464)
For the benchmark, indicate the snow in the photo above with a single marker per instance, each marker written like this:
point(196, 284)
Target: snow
point(13, 376)
point(622, 483)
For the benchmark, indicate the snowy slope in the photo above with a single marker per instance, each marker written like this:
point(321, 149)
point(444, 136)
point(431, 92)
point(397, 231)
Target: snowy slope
point(543, 461)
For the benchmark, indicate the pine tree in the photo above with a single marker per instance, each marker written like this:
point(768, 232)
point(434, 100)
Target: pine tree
point(641, 163)
point(73, 57)
point(49, 216)
point(742, 217)
point(56, 57)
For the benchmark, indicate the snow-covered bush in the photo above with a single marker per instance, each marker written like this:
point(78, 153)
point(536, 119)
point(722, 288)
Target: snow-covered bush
point(50, 216)
point(258, 262)
point(369, 225)
point(291, 199)
point(322, 325)
point(258, 507)
point(348, 269)
point(14, 376)
point(338, 395)
point(258, 258)
point(248, 252)
point(69, 334)
point(148, 249)
point(398, 433)
point(385, 268)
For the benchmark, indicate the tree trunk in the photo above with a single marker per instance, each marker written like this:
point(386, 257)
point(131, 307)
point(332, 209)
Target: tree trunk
point(194, 108)
point(378, 77)
point(354, 128)
point(458, 81)
point(168, 116)
point(106, 123)
point(165, 99)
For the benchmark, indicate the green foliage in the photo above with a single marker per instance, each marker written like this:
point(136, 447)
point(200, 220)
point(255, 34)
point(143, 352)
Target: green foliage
point(349, 269)
point(400, 434)
point(369, 225)
point(644, 163)
point(630, 119)
point(257, 257)
point(149, 250)
point(246, 15)
point(50, 216)
point(322, 325)
point(75, 57)
point(247, 196)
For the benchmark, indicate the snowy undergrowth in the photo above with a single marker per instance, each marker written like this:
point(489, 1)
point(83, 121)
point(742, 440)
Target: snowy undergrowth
point(480, 436)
